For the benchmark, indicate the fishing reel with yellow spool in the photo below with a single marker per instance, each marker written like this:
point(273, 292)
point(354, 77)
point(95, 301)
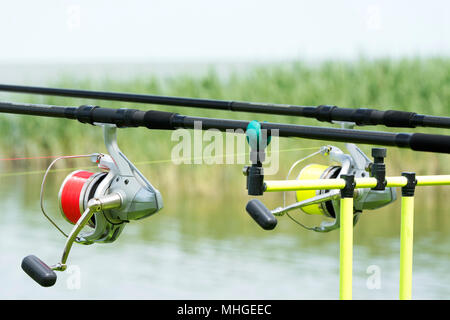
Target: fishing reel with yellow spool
point(326, 203)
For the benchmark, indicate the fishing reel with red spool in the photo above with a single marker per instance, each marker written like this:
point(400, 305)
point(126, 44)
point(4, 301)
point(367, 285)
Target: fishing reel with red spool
point(97, 204)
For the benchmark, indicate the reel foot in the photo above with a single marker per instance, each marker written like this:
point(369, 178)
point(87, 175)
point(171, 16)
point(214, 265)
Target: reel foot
point(38, 271)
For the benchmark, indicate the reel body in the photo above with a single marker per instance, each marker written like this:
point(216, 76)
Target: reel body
point(366, 199)
point(139, 198)
point(327, 202)
point(98, 204)
point(355, 163)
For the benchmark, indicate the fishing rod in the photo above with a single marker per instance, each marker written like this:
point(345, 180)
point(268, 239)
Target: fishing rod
point(326, 113)
point(171, 121)
point(100, 204)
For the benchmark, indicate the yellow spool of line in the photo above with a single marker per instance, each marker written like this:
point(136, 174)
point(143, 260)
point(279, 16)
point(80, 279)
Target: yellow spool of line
point(310, 172)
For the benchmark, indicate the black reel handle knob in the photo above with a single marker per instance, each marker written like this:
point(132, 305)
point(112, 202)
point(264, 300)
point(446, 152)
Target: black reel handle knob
point(259, 212)
point(39, 271)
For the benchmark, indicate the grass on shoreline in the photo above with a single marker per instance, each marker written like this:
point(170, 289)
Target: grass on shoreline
point(419, 85)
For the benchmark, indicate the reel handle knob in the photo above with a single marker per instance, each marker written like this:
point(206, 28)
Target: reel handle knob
point(262, 216)
point(38, 271)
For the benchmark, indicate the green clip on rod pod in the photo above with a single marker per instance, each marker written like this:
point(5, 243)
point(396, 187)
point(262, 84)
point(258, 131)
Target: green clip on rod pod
point(258, 141)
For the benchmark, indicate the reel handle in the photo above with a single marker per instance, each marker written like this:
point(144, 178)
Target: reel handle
point(262, 216)
point(39, 271)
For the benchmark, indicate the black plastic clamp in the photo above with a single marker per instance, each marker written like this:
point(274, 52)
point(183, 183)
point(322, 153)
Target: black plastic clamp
point(410, 187)
point(255, 179)
point(378, 168)
point(350, 184)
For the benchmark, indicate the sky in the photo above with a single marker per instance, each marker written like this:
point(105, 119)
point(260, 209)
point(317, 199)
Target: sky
point(72, 31)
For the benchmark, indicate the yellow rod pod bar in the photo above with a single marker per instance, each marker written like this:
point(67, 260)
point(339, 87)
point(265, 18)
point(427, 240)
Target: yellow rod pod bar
point(346, 238)
point(338, 183)
point(406, 236)
point(408, 182)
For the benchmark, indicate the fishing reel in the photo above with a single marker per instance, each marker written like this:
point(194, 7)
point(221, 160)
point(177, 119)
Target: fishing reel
point(98, 204)
point(327, 202)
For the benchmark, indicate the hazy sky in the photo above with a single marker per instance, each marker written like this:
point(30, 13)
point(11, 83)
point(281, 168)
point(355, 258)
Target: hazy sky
point(198, 30)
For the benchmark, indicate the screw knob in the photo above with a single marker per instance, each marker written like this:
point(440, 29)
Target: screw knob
point(379, 153)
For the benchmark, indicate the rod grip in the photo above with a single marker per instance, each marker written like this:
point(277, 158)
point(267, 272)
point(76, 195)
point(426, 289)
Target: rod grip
point(38, 271)
point(259, 212)
point(430, 142)
point(159, 120)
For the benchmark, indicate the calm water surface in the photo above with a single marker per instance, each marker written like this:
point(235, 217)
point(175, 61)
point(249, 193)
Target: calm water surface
point(214, 251)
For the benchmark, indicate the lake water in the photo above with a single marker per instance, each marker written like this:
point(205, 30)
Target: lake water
point(208, 248)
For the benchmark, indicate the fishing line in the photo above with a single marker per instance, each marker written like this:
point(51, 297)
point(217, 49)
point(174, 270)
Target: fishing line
point(29, 158)
point(13, 174)
point(287, 178)
point(58, 158)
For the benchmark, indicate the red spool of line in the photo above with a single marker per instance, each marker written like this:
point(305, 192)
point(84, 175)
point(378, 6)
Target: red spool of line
point(72, 193)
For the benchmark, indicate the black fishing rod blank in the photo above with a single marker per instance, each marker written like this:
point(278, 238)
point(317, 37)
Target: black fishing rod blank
point(360, 116)
point(161, 120)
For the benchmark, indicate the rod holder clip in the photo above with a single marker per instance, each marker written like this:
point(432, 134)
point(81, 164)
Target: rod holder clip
point(255, 173)
point(350, 184)
point(410, 187)
point(255, 180)
point(378, 168)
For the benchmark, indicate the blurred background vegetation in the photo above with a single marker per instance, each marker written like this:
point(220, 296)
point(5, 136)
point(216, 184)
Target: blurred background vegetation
point(205, 203)
point(419, 85)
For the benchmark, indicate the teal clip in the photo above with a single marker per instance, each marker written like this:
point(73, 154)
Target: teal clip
point(253, 133)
